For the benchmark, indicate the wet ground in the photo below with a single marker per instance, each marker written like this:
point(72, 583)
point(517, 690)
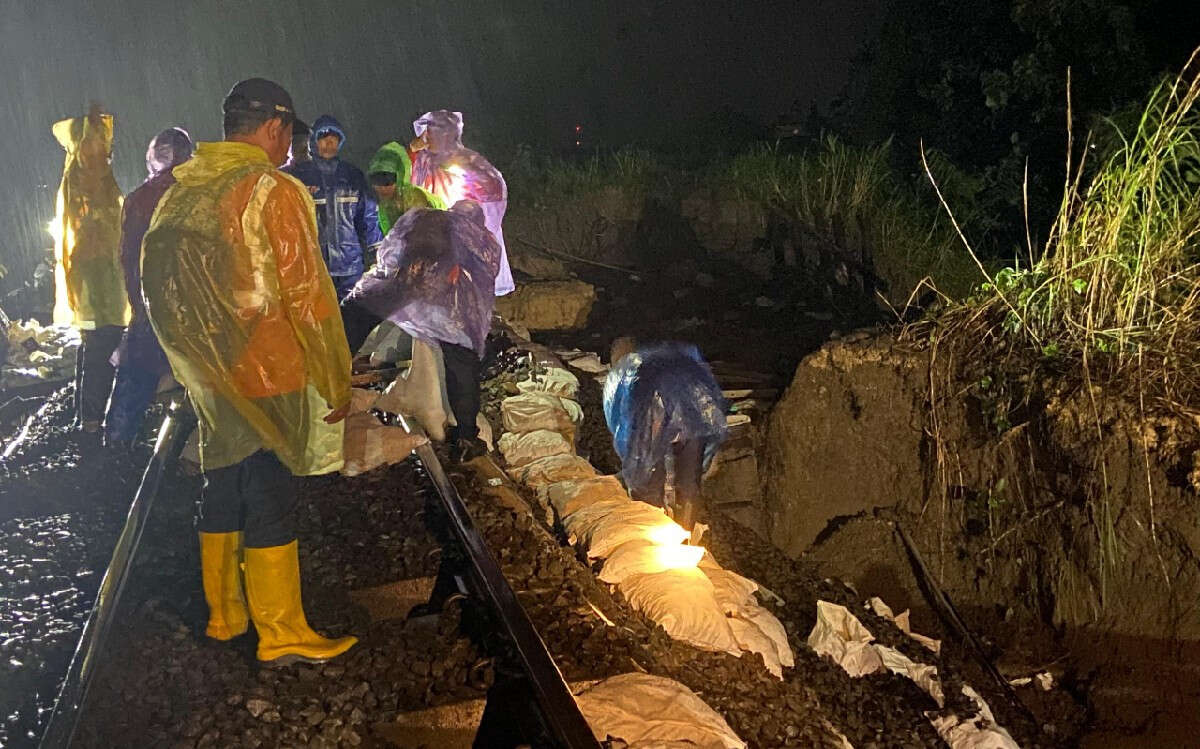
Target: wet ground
point(62, 503)
point(162, 683)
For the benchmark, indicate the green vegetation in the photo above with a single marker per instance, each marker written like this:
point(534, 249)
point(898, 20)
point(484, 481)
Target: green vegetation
point(1116, 289)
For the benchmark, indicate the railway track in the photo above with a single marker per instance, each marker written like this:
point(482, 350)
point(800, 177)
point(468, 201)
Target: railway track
point(528, 701)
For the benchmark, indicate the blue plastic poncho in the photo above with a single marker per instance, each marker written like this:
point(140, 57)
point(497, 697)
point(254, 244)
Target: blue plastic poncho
point(659, 395)
point(435, 276)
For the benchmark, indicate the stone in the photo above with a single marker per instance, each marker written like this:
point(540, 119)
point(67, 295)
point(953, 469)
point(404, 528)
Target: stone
point(548, 305)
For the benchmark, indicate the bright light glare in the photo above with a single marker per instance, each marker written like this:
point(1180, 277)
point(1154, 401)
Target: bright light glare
point(678, 557)
point(667, 534)
point(456, 187)
point(55, 229)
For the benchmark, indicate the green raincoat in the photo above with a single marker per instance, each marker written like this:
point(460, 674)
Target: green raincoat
point(392, 158)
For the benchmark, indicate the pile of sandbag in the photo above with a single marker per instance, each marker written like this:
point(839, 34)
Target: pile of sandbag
point(38, 353)
point(677, 586)
point(369, 443)
point(841, 636)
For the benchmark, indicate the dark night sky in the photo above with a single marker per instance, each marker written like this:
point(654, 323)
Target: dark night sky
point(521, 71)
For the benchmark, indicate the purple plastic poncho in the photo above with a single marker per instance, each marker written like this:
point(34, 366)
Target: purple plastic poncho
point(659, 395)
point(435, 276)
point(453, 172)
point(139, 358)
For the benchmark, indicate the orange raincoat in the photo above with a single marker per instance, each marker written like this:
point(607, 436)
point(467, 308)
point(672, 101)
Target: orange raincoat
point(240, 299)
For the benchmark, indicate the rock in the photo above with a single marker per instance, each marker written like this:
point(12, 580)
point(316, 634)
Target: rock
point(257, 707)
point(548, 305)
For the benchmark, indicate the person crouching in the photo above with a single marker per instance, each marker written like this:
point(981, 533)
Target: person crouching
point(666, 414)
point(435, 279)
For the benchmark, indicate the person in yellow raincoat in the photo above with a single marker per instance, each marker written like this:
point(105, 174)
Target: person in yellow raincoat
point(240, 300)
point(89, 287)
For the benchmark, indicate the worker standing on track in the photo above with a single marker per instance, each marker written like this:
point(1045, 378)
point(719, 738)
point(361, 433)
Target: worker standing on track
point(346, 210)
point(240, 299)
point(390, 174)
point(141, 362)
point(667, 417)
point(89, 292)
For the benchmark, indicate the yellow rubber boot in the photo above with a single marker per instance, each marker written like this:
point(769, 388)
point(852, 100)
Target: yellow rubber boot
point(221, 573)
point(273, 589)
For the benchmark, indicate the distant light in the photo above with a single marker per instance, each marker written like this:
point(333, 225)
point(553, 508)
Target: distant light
point(579, 128)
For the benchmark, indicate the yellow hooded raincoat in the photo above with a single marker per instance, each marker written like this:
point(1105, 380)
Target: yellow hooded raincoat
point(239, 297)
point(89, 287)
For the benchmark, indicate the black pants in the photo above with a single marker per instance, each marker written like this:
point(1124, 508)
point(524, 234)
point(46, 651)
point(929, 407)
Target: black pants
point(358, 323)
point(256, 496)
point(94, 372)
point(462, 388)
point(688, 457)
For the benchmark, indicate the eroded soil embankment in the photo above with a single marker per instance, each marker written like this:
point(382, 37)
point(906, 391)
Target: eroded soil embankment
point(1067, 529)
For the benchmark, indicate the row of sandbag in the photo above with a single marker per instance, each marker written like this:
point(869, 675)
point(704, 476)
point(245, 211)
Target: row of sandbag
point(679, 587)
point(36, 353)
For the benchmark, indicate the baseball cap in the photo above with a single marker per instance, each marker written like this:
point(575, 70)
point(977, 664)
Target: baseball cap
point(259, 95)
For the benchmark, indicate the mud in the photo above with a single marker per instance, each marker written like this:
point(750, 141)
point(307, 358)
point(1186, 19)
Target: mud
point(1062, 522)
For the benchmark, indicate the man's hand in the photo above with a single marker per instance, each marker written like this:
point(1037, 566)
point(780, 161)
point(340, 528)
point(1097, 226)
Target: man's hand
point(338, 414)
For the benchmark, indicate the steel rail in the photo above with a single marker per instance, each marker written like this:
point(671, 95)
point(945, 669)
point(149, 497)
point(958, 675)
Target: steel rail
point(559, 709)
point(60, 730)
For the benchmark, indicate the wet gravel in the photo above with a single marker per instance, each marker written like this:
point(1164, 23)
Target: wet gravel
point(162, 683)
point(61, 507)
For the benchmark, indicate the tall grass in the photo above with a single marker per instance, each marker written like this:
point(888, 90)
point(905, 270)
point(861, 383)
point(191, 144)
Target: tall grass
point(1117, 286)
point(850, 200)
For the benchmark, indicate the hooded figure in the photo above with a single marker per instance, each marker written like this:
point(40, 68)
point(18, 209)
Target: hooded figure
point(347, 215)
point(390, 173)
point(89, 292)
point(436, 280)
point(453, 172)
point(662, 404)
point(141, 362)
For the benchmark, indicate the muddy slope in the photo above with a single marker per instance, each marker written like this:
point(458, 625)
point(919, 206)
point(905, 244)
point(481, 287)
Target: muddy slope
point(1071, 516)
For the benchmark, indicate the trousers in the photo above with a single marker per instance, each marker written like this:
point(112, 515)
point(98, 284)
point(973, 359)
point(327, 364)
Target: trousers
point(256, 496)
point(94, 372)
point(688, 462)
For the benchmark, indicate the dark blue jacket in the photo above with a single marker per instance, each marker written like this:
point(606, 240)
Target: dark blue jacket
point(347, 214)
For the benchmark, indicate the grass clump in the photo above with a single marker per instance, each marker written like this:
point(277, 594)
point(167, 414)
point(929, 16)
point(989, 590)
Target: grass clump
point(847, 203)
point(1116, 289)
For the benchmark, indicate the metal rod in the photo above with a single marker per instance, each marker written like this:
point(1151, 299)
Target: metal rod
point(558, 705)
point(61, 728)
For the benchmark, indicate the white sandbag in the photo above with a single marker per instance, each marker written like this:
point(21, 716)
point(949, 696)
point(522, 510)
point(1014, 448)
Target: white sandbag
point(520, 449)
point(529, 412)
point(733, 591)
point(980, 732)
point(773, 629)
point(842, 637)
point(642, 557)
point(420, 392)
point(880, 608)
point(568, 496)
point(579, 524)
point(630, 521)
point(362, 400)
point(652, 711)
point(387, 344)
point(751, 639)
point(681, 602)
point(554, 380)
point(545, 471)
point(369, 444)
